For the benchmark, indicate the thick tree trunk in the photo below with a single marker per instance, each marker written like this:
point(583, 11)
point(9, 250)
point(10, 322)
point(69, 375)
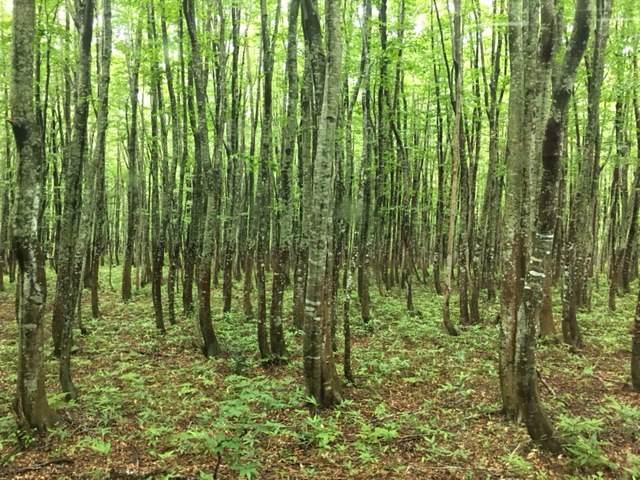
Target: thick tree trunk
point(319, 363)
point(530, 295)
point(30, 404)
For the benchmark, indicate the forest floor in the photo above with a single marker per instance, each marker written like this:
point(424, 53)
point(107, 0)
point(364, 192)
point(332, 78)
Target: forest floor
point(425, 405)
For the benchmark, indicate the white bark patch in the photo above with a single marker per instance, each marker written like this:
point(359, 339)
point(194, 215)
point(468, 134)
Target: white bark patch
point(31, 386)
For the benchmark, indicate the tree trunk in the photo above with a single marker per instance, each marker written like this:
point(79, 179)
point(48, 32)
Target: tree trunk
point(157, 231)
point(635, 349)
point(30, 404)
point(579, 244)
point(100, 218)
point(71, 254)
point(171, 222)
point(132, 188)
point(204, 326)
point(457, 145)
point(319, 363)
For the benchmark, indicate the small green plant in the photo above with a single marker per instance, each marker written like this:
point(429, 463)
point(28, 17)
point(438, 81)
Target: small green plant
point(96, 444)
point(628, 415)
point(377, 434)
point(518, 465)
point(581, 437)
point(320, 432)
point(632, 470)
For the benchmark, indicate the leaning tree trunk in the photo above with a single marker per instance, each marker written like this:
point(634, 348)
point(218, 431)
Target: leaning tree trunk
point(30, 404)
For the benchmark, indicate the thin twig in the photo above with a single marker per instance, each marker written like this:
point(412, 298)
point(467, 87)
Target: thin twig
point(40, 465)
point(545, 384)
point(489, 471)
point(215, 472)
point(115, 474)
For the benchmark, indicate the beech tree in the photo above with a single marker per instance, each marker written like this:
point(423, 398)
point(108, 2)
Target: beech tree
point(470, 156)
point(73, 234)
point(30, 406)
point(524, 272)
point(319, 362)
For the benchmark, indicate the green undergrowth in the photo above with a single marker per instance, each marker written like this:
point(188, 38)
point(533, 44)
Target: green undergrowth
point(424, 403)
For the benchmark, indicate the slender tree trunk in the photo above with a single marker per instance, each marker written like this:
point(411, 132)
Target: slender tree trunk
point(132, 146)
point(100, 218)
point(614, 226)
point(157, 231)
point(632, 233)
point(71, 254)
point(367, 170)
point(204, 326)
point(579, 244)
point(284, 215)
point(635, 349)
point(457, 143)
point(171, 221)
point(264, 197)
point(234, 168)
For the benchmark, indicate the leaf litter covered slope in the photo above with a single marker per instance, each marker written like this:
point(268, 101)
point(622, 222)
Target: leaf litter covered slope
point(426, 405)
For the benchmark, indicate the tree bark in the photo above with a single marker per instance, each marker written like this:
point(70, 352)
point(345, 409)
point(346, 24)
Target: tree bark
point(100, 218)
point(635, 349)
point(579, 242)
point(71, 254)
point(319, 363)
point(30, 404)
point(132, 152)
point(204, 326)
